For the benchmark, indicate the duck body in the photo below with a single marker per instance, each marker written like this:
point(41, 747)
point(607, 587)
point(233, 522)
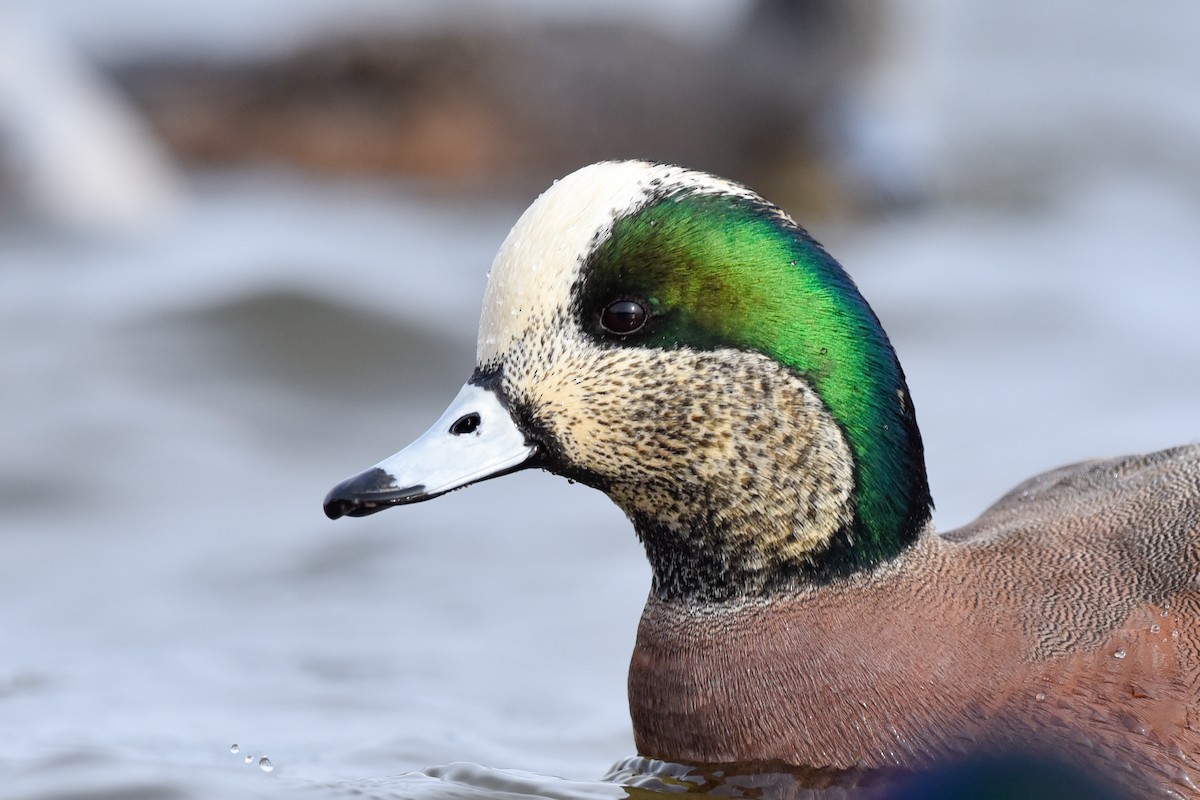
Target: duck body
point(677, 342)
point(1032, 624)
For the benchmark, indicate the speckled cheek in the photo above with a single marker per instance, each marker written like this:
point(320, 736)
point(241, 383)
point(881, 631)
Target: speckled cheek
point(587, 399)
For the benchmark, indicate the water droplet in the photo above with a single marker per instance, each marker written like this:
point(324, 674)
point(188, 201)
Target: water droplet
point(1174, 634)
point(249, 759)
point(1041, 696)
point(1155, 628)
point(233, 748)
point(1165, 612)
point(265, 764)
point(1119, 654)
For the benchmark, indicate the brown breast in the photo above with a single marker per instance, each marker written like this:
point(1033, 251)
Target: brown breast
point(1067, 615)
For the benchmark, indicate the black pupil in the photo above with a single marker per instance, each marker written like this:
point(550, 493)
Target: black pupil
point(623, 316)
point(465, 424)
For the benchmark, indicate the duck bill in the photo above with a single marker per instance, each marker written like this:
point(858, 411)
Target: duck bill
point(474, 440)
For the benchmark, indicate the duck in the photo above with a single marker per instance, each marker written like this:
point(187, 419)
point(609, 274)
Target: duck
point(499, 103)
point(678, 342)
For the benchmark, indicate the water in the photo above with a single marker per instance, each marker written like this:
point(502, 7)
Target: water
point(177, 406)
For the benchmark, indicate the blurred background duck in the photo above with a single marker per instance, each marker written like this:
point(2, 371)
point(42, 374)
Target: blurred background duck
point(513, 102)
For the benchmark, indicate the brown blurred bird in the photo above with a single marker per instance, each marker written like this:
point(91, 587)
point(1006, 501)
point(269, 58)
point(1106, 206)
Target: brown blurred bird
point(510, 103)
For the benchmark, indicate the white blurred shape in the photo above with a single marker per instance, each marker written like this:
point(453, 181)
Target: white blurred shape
point(76, 152)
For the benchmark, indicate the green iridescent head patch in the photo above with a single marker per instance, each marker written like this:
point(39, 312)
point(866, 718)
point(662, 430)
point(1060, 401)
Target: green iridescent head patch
point(724, 271)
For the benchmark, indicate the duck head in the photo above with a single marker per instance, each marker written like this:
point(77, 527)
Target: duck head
point(679, 343)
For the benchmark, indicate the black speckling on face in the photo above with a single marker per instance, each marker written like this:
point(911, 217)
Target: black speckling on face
point(736, 479)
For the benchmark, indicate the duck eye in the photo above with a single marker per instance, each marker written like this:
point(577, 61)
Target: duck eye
point(623, 317)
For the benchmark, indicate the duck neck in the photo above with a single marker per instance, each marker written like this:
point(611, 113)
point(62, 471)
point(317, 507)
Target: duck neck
point(703, 555)
point(701, 563)
point(764, 501)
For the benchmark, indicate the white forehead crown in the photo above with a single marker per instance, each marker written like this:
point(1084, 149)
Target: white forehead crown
point(540, 259)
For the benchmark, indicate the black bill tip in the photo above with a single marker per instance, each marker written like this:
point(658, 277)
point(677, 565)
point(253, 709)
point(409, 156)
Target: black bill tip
point(373, 490)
